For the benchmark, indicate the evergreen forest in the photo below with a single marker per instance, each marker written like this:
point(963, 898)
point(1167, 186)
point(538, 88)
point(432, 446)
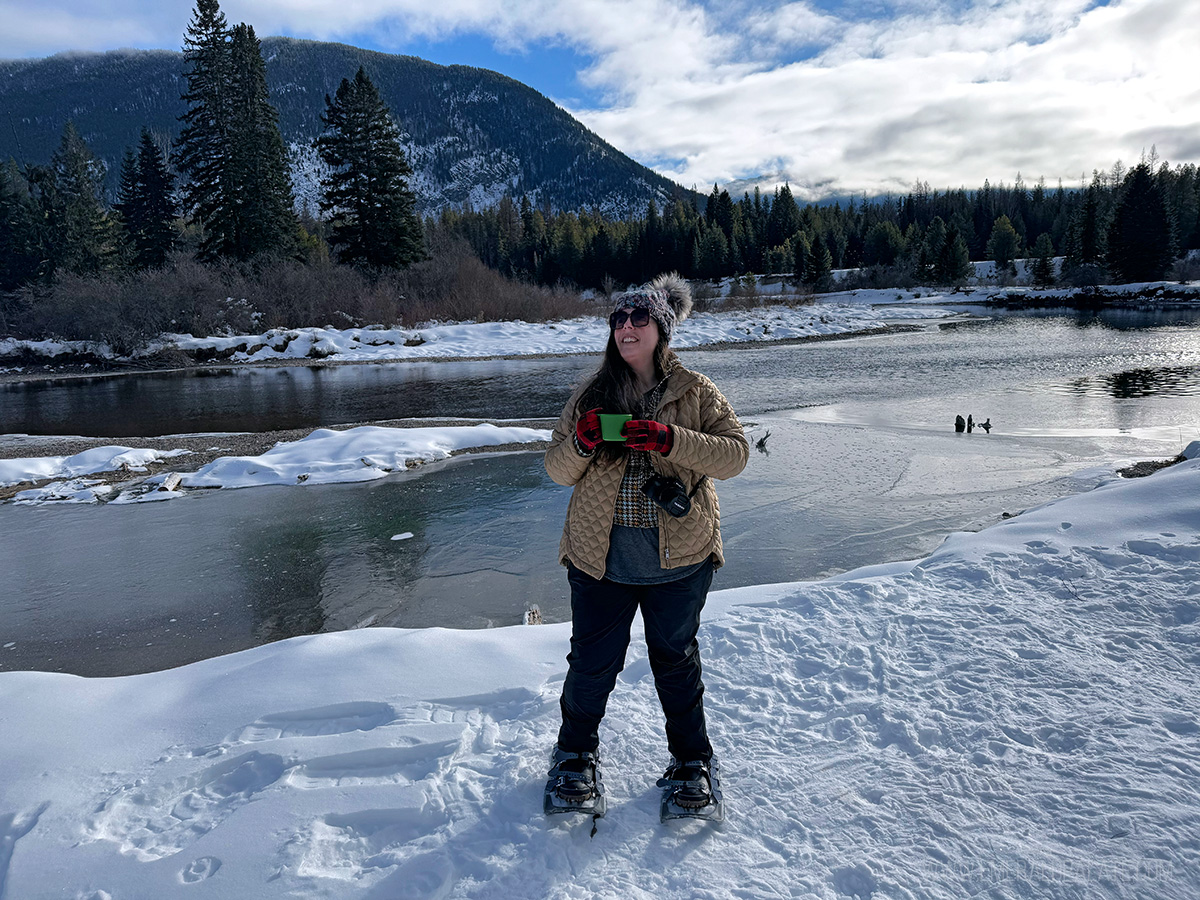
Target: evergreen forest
point(1128, 225)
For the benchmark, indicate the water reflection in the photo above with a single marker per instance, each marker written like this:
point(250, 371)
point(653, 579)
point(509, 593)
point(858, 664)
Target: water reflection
point(117, 590)
point(1178, 382)
point(283, 570)
point(272, 399)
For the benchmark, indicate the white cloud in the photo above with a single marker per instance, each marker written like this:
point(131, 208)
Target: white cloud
point(1044, 88)
point(846, 101)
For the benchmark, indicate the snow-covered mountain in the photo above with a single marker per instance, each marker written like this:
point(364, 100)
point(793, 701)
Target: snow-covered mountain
point(471, 134)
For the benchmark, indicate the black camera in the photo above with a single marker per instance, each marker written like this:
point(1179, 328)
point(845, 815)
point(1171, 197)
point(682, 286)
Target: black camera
point(668, 493)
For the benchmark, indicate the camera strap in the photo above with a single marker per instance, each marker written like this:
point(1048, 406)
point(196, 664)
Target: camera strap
point(696, 486)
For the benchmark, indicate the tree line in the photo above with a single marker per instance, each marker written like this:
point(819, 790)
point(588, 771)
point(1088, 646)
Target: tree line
point(1127, 225)
point(223, 191)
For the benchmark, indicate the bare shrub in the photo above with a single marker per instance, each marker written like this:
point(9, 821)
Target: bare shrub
point(877, 276)
point(1084, 276)
point(106, 308)
point(705, 296)
point(456, 285)
point(129, 310)
point(744, 288)
point(1186, 269)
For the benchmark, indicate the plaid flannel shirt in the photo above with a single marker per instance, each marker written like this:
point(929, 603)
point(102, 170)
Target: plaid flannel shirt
point(634, 509)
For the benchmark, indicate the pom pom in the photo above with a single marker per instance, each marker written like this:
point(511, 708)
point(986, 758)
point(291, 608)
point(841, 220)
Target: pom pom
point(678, 291)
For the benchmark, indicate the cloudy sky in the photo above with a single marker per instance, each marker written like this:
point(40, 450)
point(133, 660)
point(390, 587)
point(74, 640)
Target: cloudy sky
point(834, 97)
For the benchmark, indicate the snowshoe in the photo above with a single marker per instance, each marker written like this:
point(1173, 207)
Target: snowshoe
point(574, 784)
point(692, 790)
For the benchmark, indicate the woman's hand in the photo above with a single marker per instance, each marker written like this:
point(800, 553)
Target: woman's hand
point(587, 429)
point(646, 434)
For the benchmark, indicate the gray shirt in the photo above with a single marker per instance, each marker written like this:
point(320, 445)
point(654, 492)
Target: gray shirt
point(633, 558)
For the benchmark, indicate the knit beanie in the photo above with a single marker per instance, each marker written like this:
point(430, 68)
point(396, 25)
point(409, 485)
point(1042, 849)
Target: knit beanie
point(668, 298)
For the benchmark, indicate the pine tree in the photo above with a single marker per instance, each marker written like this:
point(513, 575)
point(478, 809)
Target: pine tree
point(882, 245)
point(954, 260)
point(83, 236)
point(567, 247)
point(146, 204)
point(374, 211)
point(204, 142)
point(931, 250)
point(801, 258)
point(230, 147)
point(712, 253)
point(1003, 245)
point(1141, 238)
point(21, 255)
point(1085, 238)
point(784, 219)
point(723, 214)
point(820, 269)
point(1043, 264)
point(261, 204)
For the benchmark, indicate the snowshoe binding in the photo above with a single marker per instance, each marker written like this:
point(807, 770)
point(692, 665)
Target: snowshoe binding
point(692, 790)
point(574, 784)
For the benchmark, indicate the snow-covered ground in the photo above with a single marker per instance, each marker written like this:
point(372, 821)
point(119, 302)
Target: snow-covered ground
point(1014, 716)
point(586, 334)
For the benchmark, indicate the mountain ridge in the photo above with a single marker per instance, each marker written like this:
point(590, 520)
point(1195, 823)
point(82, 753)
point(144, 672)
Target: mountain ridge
point(472, 134)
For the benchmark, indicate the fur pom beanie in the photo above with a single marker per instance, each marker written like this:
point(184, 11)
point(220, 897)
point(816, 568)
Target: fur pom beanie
point(668, 298)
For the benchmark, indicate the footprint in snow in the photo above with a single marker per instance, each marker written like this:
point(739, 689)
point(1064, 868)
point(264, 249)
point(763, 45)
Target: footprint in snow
point(377, 765)
point(155, 821)
point(200, 869)
point(350, 846)
point(340, 718)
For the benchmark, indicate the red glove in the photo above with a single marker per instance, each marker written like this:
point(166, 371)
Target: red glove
point(646, 434)
point(587, 429)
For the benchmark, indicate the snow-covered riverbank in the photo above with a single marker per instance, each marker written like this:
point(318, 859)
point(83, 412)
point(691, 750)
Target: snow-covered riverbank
point(323, 456)
point(1014, 716)
point(832, 314)
point(471, 340)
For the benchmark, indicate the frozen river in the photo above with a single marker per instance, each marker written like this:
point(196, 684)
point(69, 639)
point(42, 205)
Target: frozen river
point(862, 466)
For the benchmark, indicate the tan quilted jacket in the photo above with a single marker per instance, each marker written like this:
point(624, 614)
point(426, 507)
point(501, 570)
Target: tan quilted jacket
point(708, 440)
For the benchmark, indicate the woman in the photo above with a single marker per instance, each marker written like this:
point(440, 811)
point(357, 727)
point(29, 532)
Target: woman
point(624, 551)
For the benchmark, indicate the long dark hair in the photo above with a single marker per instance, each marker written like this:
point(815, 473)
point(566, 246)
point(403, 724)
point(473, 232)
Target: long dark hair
point(614, 387)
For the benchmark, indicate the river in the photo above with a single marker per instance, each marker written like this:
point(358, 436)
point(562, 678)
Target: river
point(862, 465)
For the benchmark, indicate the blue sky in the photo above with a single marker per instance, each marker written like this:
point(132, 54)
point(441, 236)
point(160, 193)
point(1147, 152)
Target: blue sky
point(833, 97)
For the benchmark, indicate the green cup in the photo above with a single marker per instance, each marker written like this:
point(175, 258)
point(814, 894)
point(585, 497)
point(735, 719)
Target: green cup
point(611, 425)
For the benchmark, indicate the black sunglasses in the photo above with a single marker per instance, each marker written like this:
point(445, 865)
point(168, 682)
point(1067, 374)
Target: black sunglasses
point(639, 317)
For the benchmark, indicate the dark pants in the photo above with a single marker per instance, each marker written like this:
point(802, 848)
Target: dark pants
point(601, 617)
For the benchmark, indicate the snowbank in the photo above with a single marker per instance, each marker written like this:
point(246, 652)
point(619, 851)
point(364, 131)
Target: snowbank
point(1014, 716)
point(89, 462)
point(356, 454)
point(323, 457)
point(586, 334)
